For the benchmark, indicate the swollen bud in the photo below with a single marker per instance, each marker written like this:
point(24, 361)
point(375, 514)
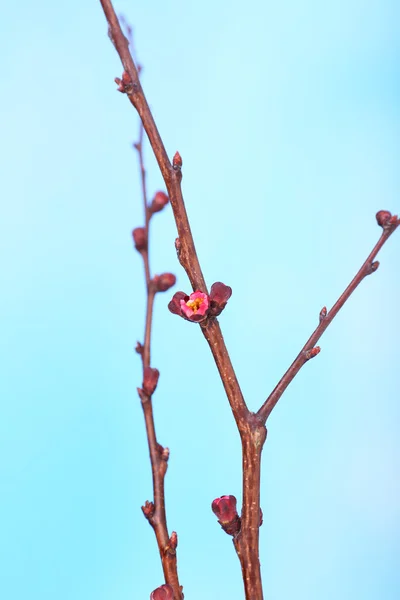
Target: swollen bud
point(124, 84)
point(140, 239)
point(225, 510)
point(322, 314)
point(312, 353)
point(177, 161)
point(383, 217)
point(159, 201)
point(148, 510)
point(164, 592)
point(373, 267)
point(219, 296)
point(164, 282)
point(173, 541)
point(150, 380)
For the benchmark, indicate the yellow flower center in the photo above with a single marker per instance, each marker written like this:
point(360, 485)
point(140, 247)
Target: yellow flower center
point(195, 304)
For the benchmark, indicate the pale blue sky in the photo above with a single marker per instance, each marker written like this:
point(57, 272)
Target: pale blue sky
point(287, 118)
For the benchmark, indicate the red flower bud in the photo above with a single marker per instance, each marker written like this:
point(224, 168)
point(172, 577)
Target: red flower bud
point(383, 217)
point(177, 161)
point(219, 296)
point(225, 508)
point(159, 201)
point(164, 592)
point(150, 380)
point(140, 239)
point(164, 282)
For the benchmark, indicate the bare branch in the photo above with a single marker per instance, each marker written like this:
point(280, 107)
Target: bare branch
point(309, 349)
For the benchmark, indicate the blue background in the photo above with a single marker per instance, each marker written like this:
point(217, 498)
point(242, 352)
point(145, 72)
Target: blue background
point(287, 118)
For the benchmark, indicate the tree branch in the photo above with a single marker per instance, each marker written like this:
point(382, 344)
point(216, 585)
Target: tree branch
point(309, 350)
point(245, 529)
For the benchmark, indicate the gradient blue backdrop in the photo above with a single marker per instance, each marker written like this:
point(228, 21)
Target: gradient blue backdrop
point(287, 118)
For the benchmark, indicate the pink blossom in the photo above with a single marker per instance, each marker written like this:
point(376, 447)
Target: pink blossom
point(195, 308)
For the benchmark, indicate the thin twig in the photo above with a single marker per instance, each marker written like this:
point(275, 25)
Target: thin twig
point(154, 511)
point(309, 350)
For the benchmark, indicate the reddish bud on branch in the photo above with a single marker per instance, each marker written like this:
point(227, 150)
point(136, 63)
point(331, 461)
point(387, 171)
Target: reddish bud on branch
point(140, 239)
point(313, 352)
point(219, 296)
point(322, 314)
point(150, 380)
point(164, 592)
point(164, 282)
point(387, 221)
point(148, 510)
point(177, 161)
point(165, 454)
point(159, 201)
point(125, 84)
point(173, 541)
point(225, 510)
point(383, 217)
point(373, 267)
